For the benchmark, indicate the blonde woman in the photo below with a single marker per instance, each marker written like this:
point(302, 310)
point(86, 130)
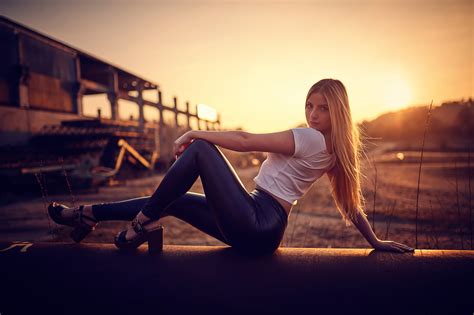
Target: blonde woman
point(252, 222)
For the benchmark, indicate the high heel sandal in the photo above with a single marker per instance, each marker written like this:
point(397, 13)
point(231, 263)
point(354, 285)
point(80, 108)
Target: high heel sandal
point(81, 227)
point(154, 237)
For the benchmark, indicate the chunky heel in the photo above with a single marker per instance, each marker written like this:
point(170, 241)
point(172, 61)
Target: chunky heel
point(154, 237)
point(155, 240)
point(81, 228)
point(79, 233)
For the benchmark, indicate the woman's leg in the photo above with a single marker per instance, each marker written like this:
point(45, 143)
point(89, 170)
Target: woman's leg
point(192, 208)
point(124, 210)
point(225, 195)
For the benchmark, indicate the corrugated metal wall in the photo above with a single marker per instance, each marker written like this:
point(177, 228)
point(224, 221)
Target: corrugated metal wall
point(8, 65)
point(52, 75)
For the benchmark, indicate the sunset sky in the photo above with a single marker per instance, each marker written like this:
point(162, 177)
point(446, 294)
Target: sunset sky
point(254, 61)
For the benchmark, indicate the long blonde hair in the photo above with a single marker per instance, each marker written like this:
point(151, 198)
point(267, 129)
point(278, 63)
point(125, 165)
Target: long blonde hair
point(345, 176)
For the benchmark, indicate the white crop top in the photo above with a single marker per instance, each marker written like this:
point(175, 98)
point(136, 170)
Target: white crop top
point(290, 177)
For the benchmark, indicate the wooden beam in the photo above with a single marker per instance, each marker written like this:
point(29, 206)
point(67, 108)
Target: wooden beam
point(94, 86)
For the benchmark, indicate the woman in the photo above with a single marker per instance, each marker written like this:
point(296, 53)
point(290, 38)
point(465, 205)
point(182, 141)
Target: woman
point(249, 222)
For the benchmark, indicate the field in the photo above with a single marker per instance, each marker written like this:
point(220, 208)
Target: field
point(443, 207)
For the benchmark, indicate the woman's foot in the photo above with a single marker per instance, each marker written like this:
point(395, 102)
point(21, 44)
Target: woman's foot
point(62, 214)
point(142, 229)
point(80, 218)
point(143, 219)
point(88, 216)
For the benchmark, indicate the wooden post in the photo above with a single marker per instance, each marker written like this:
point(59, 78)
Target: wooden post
point(188, 115)
point(198, 119)
point(113, 91)
point(141, 114)
point(157, 152)
point(175, 111)
point(160, 108)
point(161, 124)
point(78, 91)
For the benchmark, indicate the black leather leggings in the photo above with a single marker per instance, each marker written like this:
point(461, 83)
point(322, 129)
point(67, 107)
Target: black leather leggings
point(252, 222)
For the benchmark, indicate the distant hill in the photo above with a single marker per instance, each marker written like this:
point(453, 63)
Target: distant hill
point(451, 126)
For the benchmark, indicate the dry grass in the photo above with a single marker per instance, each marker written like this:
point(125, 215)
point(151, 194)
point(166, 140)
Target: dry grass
point(419, 172)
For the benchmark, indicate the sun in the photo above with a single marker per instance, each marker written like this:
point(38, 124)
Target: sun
point(206, 112)
point(397, 94)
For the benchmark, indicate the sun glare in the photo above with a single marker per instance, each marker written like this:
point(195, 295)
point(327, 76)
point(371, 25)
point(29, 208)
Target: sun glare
point(207, 112)
point(397, 94)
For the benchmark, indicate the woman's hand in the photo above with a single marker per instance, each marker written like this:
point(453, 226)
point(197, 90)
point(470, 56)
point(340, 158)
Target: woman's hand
point(392, 246)
point(182, 143)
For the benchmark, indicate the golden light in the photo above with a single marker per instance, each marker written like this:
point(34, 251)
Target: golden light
point(400, 156)
point(206, 112)
point(397, 93)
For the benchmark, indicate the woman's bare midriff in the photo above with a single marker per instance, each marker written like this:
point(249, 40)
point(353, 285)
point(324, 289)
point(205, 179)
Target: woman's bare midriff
point(285, 204)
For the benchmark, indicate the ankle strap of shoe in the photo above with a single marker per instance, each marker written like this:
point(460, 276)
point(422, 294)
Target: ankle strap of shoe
point(80, 215)
point(137, 226)
point(78, 212)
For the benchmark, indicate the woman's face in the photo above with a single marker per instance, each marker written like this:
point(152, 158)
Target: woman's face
point(317, 113)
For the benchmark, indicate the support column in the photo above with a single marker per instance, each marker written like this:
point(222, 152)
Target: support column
point(161, 124)
point(175, 101)
point(113, 91)
point(78, 90)
point(113, 100)
point(160, 108)
point(188, 115)
point(141, 114)
point(218, 121)
point(198, 119)
point(78, 93)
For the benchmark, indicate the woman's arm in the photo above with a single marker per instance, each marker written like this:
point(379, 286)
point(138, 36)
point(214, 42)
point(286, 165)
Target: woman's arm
point(366, 230)
point(232, 140)
point(278, 142)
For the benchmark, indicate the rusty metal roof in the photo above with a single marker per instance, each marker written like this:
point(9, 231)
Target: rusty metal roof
point(128, 78)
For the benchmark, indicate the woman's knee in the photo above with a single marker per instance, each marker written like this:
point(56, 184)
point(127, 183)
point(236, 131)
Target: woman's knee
point(201, 144)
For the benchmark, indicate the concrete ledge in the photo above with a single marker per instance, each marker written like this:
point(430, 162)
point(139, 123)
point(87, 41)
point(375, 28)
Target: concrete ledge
point(66, 278)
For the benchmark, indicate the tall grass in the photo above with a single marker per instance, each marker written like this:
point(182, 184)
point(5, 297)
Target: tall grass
point(41, 179)
point(375, 195)
point(433, 226)
point(307, 229)
point(458, 206)
point(469, 181)
point(66, 177)
point(441, 205)
point(419, 173)
point(390, 218)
